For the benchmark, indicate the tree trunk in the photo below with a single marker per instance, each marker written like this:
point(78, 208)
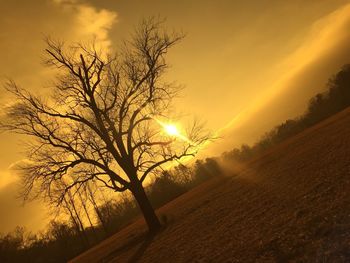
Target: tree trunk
point(97, 210)
point(87, 215)
point(146, 207)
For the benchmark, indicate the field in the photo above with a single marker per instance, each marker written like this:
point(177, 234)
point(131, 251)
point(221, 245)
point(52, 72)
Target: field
point(290, 205)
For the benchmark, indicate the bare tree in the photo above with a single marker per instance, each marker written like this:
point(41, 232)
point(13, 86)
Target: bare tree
point(90, 192)
point(102, 122)
point(69, 206)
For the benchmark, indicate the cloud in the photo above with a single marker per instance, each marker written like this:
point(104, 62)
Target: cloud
point(89, 22)
point(24, 25)
point(6, 178)
point(95, 23)
point(306, 72)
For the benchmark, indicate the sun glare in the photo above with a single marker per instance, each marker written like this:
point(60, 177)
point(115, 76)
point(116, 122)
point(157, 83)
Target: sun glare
point(171, 130)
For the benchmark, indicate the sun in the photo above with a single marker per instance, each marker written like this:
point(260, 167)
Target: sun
point(171, 130)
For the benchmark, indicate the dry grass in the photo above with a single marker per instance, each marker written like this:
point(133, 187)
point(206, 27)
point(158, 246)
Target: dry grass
point(290, 205)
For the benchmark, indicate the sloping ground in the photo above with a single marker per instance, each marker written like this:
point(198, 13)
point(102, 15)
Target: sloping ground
point(290, 205)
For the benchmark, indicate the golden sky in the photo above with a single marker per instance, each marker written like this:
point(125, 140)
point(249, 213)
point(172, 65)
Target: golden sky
point(246, 65)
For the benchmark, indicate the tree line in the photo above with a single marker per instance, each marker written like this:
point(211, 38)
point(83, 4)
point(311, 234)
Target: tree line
point(321, 106)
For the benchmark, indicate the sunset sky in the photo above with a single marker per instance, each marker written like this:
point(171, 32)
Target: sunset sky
point(246, 65)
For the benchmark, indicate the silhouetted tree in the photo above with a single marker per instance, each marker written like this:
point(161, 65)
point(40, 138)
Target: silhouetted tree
point(206, 169)
point(10, 244)
point(90, 192)
point(118, 213)
point(164, 189)
point(101, 122)
point(183, 173)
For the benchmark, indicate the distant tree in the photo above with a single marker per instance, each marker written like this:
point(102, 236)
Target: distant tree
point(164, 189)
point(100, 124)
point(335, 99)
point(11, 246)
point(90, 192)
point(62, 234)
point(206, 169)
point(118, 213)
point(339, 89)
point(183, 173)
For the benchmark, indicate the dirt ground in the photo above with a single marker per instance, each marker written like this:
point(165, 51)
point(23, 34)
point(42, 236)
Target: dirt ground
point(290, 205)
